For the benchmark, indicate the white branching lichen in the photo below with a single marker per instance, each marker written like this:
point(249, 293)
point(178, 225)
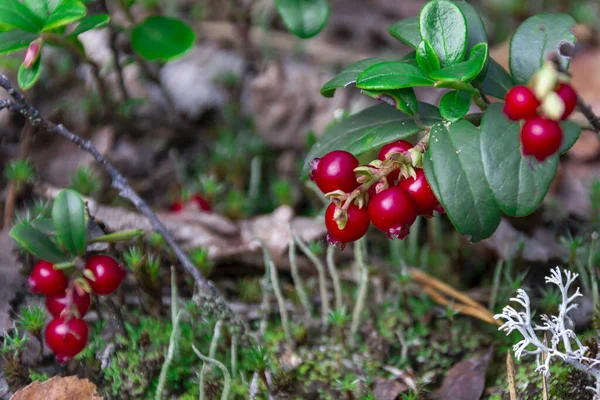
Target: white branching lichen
point(564, 344)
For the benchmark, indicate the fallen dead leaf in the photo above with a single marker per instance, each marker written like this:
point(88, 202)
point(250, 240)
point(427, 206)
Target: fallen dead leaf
point(386, 389)
point(465, 380)
point(59, 388)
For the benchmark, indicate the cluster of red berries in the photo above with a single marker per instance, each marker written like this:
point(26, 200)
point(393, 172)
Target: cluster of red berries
point(196, 200)
point(541, 135)
point(392, 210)
point(67, 334)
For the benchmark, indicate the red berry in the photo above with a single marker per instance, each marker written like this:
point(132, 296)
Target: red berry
point(201, 203)
point(57, 304)
point(46, 280)
point(107, 272)
point(520, 103)
point(335, 171)
point(569, 97)
point(176, 207)
point(356, 226)
point(421, 192)
point(399, 146)
point(66, 338)
point(393, 211)
point(541, 137)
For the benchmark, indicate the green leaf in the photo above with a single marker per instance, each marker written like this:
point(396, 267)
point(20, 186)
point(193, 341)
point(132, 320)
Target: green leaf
point(17, 15)
point(534, 40)
point(66, 12)
point(116, 237)
point(46, 225)
point(476, 32)
point(348, 75)
point(455, 104)
point(68, 214)
point(518, 186)
point(426, 58)
point(36, 242)
point(404, 100)
point(370, 129)
point(27, 77)
point(497, 81)
point(410, 58)
point(91, 22)
point(465, 71)
point(304, 18)
point(456, 167)
point(15, 40)
point(571, 132)
point(42, 8)
point(443, 24)
point(162, 38)
point(407, 31)
point(392, 75)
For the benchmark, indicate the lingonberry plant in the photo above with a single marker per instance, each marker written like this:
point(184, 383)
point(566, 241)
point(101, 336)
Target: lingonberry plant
point(66, 274)
point(474, 167)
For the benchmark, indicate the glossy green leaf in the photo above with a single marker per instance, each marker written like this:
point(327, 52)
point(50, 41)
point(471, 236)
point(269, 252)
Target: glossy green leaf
point(404, 100)
point(46, 225)
point(410, 58)
point(15, 40)
point(91, 22)
point(456, 167)
point(304, 18)
point(42, 8)
point(15, 14)
point(444, 26)
point(27, 77)
point(116, 237)
point(392, 75)
point(497, 81)
point(66, 12)
point(68, 214)
point(370, 129)
point(36, 242)
point(455, 104)
point(348, 75)
point(162, 38)
point(465, 71)
point(518, 186)
point(571, 132)
point(534, 40)
point(407, 31)
point(426, 58)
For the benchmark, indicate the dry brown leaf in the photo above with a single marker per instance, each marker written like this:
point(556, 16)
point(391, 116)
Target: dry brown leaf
point(466, 380)
point(510, 372)
point(386, 389)
point(59, 388)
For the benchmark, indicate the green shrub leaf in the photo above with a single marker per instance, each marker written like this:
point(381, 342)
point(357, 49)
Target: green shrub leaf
point(370, 129)
point(426, 58)
point(534, 40)
point(518, 186)
point(404, 100)
point(42, 8)
point(27, 77)
point(36, 242)
point(392, 75)
point(407, 31)
point(16, 14)
point(116, 237)
point(66, 12)
point(497, 81)
point(68, 214)
point(15, 40)
point(91, 22)
point(476, 32)
point(455, 104)
point(456, 168)
point(348, 75)
point(443, 24)
point(465, 71)
point(162, 38)
point(304, 18)
point(571, 132)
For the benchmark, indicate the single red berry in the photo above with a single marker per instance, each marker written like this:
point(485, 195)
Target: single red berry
point(421, 192)
point(62, 359)
point(541, 138)
point(107, 273)
point(46, 280)
point(66, 338)
point(393, 211)
point(176, 206)
point(569, 97)
point(399, 146)
point(356, 226)
point(201, 203)
point(520, 102)
point(57, 304)
point(335, 171)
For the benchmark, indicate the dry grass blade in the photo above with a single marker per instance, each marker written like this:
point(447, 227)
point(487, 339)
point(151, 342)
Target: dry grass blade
point(544, 378)
point(510, 372)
